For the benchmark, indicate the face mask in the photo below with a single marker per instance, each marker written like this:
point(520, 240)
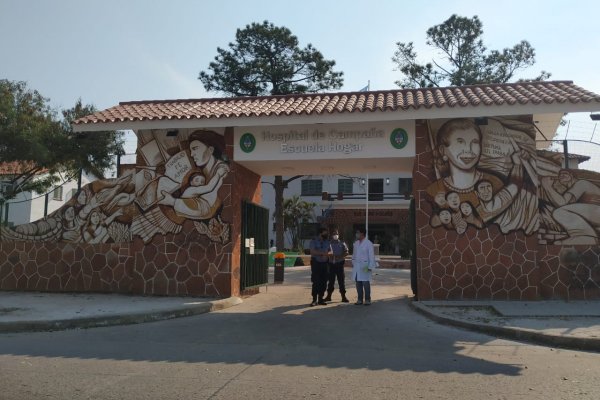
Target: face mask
point(336, 237)
point(357, 235)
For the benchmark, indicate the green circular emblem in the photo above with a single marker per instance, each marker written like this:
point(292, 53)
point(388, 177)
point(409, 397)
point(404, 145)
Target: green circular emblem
point(247, 142)
point(399, 138)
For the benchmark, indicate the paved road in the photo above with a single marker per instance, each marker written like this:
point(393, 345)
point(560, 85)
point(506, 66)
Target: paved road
point(275, 347)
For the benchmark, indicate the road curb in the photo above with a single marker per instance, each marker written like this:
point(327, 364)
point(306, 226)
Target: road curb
point(121, 319)
point(565, 342)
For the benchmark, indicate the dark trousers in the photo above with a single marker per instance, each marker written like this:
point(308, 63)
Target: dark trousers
point(366, 285)
point(336, 271)
point(318, 277)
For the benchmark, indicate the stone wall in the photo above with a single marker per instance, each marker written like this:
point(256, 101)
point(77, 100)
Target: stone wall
point(570, 273)
point(485, 262)
point(183, 264)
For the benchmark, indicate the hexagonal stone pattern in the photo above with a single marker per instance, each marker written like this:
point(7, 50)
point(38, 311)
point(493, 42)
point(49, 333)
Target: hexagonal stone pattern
point(571, 273)
point(176, 265)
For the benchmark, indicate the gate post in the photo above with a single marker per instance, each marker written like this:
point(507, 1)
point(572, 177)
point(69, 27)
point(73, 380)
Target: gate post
point(244, 186)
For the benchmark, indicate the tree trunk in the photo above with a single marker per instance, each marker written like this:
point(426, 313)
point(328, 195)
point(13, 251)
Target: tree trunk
point(279, 187)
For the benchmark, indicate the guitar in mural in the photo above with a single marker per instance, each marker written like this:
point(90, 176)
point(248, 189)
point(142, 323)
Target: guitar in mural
point(176, 180)
point(493, 174)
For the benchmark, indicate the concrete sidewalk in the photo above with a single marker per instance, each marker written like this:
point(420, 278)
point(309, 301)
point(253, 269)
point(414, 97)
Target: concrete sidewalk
point(572, 325)
point(35, 311)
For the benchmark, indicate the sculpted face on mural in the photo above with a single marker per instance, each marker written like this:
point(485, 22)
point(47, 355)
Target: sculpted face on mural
point(177, 180)
point(493, 174)
point(460, 145)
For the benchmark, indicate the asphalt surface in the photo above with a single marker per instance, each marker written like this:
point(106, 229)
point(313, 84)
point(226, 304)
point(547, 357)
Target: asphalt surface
point(274, 346)
point(574, 325)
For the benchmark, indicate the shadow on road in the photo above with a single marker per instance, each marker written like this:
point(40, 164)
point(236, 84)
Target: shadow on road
point(278, 328)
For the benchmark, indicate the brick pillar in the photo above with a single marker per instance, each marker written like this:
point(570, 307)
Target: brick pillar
point(245, 185)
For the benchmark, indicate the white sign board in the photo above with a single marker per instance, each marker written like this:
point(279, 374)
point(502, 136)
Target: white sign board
point(329, 141)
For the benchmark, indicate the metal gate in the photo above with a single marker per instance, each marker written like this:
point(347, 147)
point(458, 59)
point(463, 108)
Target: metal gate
point(255, 251)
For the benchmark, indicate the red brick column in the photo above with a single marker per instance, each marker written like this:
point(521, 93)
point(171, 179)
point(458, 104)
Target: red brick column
point(245, 185)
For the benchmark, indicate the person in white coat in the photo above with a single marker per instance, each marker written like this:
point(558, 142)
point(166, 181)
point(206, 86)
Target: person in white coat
point(363, 264)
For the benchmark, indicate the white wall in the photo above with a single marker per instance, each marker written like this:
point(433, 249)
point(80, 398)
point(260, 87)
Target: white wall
point(28, 207)
point(19, 209)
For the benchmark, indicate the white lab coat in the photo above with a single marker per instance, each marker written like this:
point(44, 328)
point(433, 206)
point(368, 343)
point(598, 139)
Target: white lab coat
point(363, 255)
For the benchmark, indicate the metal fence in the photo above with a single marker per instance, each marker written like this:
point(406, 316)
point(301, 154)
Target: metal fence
point(579, 140)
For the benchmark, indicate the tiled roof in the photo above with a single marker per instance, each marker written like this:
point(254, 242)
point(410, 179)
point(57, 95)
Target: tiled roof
point(16, 167)
point(551, 92)
point(559, 156)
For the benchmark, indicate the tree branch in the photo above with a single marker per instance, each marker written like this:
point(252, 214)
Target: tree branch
point(293, 178)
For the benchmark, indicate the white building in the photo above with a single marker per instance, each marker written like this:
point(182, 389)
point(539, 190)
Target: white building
point(31, 206)
point(388, 205)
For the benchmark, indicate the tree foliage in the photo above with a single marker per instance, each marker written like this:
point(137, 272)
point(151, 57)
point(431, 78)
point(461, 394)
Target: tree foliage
point(295, 213)
point(266, 59)
point(466, 61)
point(41, 148)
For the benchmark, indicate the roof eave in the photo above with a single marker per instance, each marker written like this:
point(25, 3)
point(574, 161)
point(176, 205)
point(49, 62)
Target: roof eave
point(344, 117)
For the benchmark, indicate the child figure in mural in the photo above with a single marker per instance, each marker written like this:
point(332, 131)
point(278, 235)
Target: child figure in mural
point(96, 228)
point(469, 215)
point(71, 226)
point(459, 144)
point(578, 207)
point(442, 218)
point(200, 201)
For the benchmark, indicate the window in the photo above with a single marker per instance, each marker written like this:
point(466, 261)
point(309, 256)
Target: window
point(312, 187)
point(57, 194)
point(73, 193)
point(5, 187)
point(345, 186)
point(375, 189)
point(405, 186)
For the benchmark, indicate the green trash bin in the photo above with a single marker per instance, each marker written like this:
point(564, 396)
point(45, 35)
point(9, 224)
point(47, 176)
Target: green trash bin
point(279, 264)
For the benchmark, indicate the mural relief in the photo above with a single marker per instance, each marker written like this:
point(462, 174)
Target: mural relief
point(492, 174)
point(485, 174)
point(571, 208)
point(176, 179)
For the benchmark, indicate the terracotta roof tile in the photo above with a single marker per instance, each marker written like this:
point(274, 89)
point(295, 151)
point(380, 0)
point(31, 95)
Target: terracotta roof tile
point(11, 168)
point(552, 92)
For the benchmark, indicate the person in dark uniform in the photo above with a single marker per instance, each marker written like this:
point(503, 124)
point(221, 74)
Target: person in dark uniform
point(320, 250)
point(339, 251)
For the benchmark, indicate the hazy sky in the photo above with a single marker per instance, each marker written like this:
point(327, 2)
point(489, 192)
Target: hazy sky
point(106, 51)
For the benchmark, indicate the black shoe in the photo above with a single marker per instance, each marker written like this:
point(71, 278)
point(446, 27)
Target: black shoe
point(345, 299)
point(322, 303)
point(328, 298)
point(358, 303)
point(314, 303)
point(368, 303)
